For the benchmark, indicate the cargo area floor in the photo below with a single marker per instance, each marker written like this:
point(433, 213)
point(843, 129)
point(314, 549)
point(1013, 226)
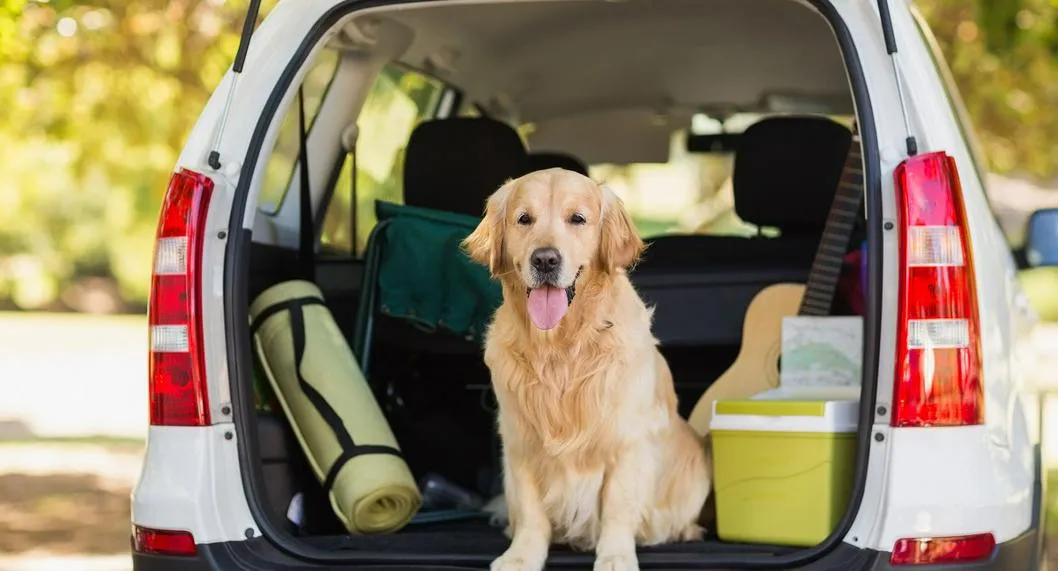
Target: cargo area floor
point(479, 538)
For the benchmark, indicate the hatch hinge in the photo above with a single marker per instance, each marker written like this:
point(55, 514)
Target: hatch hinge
point(240, 58)
point(890, 48)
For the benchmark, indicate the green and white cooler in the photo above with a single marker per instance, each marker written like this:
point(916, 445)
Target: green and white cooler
point(782, 469)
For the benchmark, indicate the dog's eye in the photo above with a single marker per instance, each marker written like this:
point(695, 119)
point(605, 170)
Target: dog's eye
point(525, 219)
point(577, 219)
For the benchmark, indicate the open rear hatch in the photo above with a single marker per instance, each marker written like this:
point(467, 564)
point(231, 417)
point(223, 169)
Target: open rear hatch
point(274, 469)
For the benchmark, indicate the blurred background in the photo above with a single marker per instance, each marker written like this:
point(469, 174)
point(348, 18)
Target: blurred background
point(97, 98)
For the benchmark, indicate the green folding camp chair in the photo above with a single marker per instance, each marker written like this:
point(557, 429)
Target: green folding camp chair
point(416, 271)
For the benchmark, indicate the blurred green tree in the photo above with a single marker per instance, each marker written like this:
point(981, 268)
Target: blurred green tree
point(1002, 54)
point(98, 99)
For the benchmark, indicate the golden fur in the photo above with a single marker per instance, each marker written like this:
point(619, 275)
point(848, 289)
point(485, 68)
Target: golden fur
point(594, 451)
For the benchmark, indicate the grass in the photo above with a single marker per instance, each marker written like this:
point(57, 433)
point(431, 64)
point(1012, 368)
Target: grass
point(88, 375)
point(1041, 285)
point(67, 496)
point(114, 443)
point(33, 319)
point(1052, 503)
point(63, 514)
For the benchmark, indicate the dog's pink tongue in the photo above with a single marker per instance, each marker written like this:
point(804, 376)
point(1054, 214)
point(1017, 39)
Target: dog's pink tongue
point(547, 305)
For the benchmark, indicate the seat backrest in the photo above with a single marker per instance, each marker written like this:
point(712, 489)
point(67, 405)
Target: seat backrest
point(785, 175)
point(551, 159)
point(787, 171)
point(455, 164)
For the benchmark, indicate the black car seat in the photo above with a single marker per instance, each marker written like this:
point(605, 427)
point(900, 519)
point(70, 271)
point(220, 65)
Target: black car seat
point(785, 175)
point(455, 164)
point(552, 159)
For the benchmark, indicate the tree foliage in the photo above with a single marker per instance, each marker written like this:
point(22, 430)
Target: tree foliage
point(97, 98)
point(1002, 54)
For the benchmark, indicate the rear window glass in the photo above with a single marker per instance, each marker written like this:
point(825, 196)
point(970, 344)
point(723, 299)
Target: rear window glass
point(280, 167)
point(692, 193)
point(399, 100)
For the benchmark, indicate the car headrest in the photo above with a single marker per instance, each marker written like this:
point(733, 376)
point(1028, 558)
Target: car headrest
point(547, 160)
point(455, 164)
point(787, 170)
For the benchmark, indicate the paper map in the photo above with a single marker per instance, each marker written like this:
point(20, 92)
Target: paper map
point(821, 351)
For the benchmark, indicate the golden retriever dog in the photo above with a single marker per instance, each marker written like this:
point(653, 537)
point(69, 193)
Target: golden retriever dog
point(595, 454)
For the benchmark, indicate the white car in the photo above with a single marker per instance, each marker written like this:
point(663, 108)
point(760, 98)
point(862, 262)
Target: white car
point(433, 103)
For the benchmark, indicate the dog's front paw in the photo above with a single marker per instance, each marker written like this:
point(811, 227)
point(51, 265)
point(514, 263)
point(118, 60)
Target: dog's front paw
point(692, 532)
point(623, 562)
point(516, 562)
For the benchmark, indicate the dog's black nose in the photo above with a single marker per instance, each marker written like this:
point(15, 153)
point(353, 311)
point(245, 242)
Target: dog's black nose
point(546, 259)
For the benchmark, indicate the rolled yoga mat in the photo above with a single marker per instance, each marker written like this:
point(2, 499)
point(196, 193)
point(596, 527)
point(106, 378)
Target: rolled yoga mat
point(334, 415)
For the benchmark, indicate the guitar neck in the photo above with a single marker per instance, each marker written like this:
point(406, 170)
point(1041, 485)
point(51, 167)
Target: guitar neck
point(830, 255)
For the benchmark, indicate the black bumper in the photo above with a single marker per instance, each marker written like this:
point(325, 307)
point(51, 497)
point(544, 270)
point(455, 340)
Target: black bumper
point(1020, 554)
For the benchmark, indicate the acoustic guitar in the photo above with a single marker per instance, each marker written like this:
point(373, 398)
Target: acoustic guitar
point(756, 368)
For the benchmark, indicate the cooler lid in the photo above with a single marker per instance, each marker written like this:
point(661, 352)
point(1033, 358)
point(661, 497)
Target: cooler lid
point(786, 415)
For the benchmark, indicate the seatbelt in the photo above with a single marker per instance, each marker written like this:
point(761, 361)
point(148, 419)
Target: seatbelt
point(306, 227)
point(841, 220)
point(350, 138)
point(353, 213)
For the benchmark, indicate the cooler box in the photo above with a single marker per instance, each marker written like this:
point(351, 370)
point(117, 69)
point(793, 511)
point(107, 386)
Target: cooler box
point(782, 469)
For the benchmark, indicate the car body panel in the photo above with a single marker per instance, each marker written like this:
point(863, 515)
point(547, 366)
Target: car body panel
point(999, 455)
point(190, 482)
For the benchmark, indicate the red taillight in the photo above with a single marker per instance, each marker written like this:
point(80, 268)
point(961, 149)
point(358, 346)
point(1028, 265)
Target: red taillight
point(938, 357)
point(177, 367)
point(159, 542)
point(937, 550)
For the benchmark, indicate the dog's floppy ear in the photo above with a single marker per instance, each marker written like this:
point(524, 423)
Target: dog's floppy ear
point(485, 244)
point(620, 244)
